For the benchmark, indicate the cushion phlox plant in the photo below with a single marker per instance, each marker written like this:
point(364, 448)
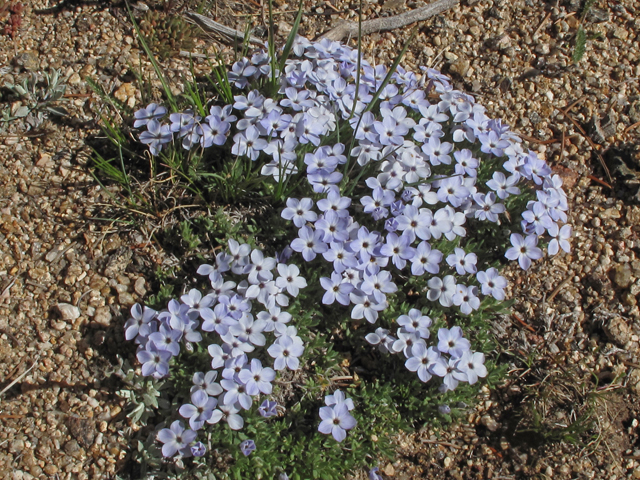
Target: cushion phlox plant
point(399, 201)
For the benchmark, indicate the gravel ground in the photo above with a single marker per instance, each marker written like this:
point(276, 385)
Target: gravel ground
point(572, 344)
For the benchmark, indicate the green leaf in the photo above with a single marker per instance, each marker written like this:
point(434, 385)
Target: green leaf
point(580, 47)
point(23, 111)
point(291, 37)
point(61, 112)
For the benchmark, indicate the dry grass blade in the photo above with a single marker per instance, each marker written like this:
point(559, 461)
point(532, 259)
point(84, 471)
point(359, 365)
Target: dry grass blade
point(20, 377)
point(565, 111)
point(222, 32)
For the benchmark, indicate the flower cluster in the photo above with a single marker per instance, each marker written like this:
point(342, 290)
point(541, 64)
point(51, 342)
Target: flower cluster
point(391, 171)
point(461, 365)
point(223, 314)
point(428, 153)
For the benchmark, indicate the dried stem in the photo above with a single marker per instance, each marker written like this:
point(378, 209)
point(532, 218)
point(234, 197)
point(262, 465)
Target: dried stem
point(350, 29)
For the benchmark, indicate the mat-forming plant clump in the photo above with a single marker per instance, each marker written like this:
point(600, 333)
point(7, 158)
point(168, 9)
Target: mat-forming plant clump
point(397, 195)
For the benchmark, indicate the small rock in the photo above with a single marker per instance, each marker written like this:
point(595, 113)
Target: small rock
point(139, 287)
point(71, 447)
point(17, 446)
point(35, 190)
point(609, 213)
point(620, 33)
point(68, 312)
point(389, 470)
point(125, 298)
point(489, 422)
point(126, 94)
point(629, 299)
point(617, 330)
point(28, 60)
point(543, 48)
point(452, 57)
point(74, 79)
point(50, 469)
point(447, 462)
point(535, 117)
point(284, 28)
point(635, 268)
point(634, 381)
point(44, 160)
point(621, 275)
point(103, 316)
point(461, 67)
point(21, 475)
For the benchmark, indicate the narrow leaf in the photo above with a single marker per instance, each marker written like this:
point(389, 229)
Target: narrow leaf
point(291, 37)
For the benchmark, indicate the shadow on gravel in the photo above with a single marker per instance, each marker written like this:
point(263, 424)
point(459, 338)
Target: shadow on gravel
point(624, 163)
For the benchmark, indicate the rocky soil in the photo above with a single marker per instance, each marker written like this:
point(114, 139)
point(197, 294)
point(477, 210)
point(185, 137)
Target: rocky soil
point(68, 274)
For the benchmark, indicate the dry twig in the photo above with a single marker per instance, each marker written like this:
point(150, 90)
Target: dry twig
point(345, 29)
point(558, 288)
point(226, 34)
point(348, 29)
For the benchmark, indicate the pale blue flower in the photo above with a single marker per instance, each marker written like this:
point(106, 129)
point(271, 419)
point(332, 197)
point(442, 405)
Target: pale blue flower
point(176, 439)
point(336, 289)
point(462, 261)
point(247, 447)
point(154, 361)
point(415, 321)
point(524, 250)
point(257, 379)
point(471, 364)
point(229, 414)
point(198, 449)
point(560, 239)
point(138, 324)
point(268, 408)
point(442, 290)
point(425, 259)
point(452, 342)
point(337, 398)
point(466, 298)
point(421, 360)
point(299, 211)
point(285, 352)
point(366, 307)
point(207, 383)
point(156, 136)
point(492, 283)
point(309, 243)
point(336, 421)
point(144, 115)
point(199, 410)
point(290, 279)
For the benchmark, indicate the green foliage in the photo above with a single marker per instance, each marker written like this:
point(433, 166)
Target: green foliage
point(39, 95)
point(586, 7)
point(142, 393)
point(167, 34)
point(580, 46)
